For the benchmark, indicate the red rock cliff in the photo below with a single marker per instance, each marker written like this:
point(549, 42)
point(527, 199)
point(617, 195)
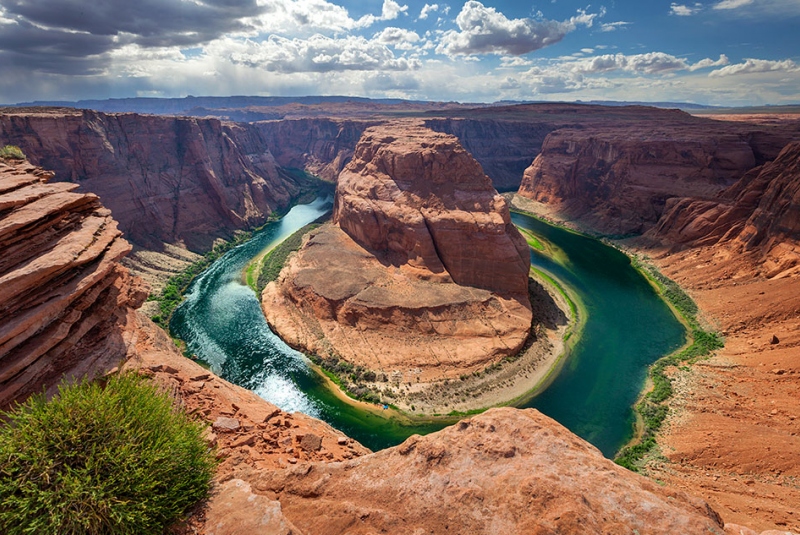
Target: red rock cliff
point(615, 172)
point(64, 299)
point(166, 179)
point(506, 471)
point(759, 214)
point(418, 199)
point(319, 146)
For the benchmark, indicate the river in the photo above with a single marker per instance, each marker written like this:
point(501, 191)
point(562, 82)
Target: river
point(627, 328)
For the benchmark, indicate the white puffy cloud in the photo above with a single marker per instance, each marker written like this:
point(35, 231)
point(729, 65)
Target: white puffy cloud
point(751, 66)
point(708, 62)
point(398, 37)
point(484, 30)
point(649, 63)
point(316, 54)
point(427, 9)
point(683, 10)
point(390, 11)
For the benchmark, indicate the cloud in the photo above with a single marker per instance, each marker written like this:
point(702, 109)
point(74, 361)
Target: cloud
point(732, 4)
point(427, 9)
point(705, 63)
point(316, 54)
point(398, 38)
point(649, 63)
point(390, 11)
point(682, 10)
point(484, 30)
point(613, 26)
point(751, 66)
point(657, 63)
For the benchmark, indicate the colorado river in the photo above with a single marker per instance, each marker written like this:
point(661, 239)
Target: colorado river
point(627, 328)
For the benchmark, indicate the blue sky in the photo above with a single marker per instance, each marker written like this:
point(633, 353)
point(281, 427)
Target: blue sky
point(719, 52)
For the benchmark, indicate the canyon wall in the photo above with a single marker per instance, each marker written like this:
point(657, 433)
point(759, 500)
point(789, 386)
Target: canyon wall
point(503, 148)
point(65, 301)
point(615, 175)
point(759, 214)
point(422, 268)
point(319, 146)
point(166, 179)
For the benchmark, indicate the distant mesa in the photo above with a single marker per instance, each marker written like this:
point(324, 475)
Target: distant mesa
point(421, 272)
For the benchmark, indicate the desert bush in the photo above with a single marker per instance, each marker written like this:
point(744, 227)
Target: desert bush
point(100, 459)
point(11, 152)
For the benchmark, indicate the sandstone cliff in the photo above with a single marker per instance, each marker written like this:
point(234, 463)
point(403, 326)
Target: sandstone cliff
point(422, 270)
point(614, 175)
point(504, 148)
point(166, 179)
point(319, 146)
point(758, 214)
point(64, 299)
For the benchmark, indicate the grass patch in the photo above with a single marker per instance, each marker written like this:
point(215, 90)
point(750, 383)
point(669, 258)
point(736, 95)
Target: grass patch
point(11, 152)
point(531, 238)
point(273, 261)
point(653, 408)
point(100, 459)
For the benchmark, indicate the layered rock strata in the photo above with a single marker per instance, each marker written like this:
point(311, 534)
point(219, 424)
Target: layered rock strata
point(421, 270)
point(616, 177)
point(174, 180)
point(64, 298)
point(759, 214)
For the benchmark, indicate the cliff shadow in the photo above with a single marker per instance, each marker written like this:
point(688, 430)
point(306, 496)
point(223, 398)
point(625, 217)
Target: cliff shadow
point(545, 309)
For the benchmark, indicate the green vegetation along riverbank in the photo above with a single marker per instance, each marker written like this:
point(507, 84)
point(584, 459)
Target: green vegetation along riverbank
point(653, 406)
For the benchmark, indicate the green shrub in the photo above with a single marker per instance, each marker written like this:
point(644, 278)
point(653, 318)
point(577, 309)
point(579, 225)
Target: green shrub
point(11, 152)
point(96, 459)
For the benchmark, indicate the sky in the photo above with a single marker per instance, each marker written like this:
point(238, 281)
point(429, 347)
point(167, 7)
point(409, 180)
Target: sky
point(715, 52)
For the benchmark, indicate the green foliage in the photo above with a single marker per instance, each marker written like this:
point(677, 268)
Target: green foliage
point(273, 262)
point(11, 152)
point(172, 294)
point(653, 408)
point(97, 459)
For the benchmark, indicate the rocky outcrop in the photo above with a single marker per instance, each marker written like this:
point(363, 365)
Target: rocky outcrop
point(614, 174)
point(171, 180)
point(759, 214)
point(504, 148)
point(319, 146)
point(505, 471)
point(64, 298)
point(422, 269)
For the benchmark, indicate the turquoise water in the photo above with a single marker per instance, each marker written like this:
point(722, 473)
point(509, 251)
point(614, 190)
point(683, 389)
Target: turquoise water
point(627, 328)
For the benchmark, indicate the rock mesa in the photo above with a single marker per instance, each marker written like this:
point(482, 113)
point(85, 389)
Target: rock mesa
point(422, 268)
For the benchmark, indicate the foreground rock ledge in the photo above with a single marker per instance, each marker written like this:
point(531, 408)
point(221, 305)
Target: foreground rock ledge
point(422, 276)
point(505, 471)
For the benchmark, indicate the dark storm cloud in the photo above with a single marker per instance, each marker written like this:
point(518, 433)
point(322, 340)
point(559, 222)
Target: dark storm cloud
point(45, 31)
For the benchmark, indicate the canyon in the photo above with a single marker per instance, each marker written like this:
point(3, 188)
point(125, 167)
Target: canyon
point(715, 204)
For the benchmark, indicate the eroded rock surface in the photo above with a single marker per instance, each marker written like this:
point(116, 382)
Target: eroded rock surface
point(422, 268)
point(759, 214)
point(174, 180)
point(615, 175)
point(65, 301)
point(505, 471)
